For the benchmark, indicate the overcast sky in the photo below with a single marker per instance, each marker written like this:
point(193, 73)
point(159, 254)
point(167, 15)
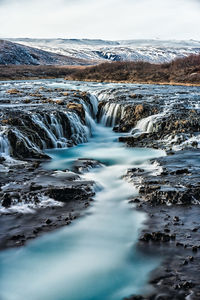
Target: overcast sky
point(105, 19)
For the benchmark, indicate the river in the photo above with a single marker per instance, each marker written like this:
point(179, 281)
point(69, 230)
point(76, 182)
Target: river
point(96, 257)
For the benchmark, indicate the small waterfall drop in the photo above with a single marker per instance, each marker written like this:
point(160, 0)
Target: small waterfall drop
point(40, 121)
point(146, 125)
point(4, 144)
point(111, 113)
point(80, 132)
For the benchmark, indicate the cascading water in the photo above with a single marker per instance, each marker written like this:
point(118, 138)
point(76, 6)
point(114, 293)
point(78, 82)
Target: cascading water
point(90, 111)
point(146, 125)
point(49, 129)
point(80, 132)
point(4, 144)
point(110, 113)
point(94, 103)
point(42, 130)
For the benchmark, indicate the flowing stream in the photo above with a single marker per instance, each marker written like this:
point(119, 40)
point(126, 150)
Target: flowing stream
point(96, 257)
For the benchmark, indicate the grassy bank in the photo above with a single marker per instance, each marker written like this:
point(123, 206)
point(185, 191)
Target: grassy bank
point(184, 71)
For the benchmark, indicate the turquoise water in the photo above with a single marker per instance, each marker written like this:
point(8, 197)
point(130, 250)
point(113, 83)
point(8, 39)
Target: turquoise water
point(95, 258)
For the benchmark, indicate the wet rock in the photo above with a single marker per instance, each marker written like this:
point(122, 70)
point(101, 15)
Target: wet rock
point(156, 237)
point(182, 171)
point(176, 219)
point(17, 237)
point(195, 229)
point(2, 159)
point(136, 200)
point(6, 200)
point(191, 258)
point(13, 91)
point(187, 285)
point(20, 148)
point(137, 297)
point(146, 237)
point(78, 108)
point(35, 187)
point(84, 164)
point(194, 248)
point(179, 244)
point(63, 194)
point(48, 221)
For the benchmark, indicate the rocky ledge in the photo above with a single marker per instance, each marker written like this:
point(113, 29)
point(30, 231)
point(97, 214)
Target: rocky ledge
point(169, 193)
point(35, 200)
point(162, 120)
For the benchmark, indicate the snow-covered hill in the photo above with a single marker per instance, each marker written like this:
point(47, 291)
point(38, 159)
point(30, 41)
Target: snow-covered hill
point(17, 54)
point(131, 50)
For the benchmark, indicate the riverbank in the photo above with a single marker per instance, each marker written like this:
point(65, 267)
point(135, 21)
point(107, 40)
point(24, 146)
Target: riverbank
point(171, 200)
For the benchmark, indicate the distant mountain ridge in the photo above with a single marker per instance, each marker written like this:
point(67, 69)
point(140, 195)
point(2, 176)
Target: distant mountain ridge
point(17, 54)
point(96, 50)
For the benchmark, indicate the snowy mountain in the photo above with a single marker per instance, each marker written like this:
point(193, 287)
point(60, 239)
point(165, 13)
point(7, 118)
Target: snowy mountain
point(17, 54)
point(131, 50)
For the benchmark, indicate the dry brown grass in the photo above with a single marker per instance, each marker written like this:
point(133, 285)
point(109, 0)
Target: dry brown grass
point(185, 71)
point(13, 72)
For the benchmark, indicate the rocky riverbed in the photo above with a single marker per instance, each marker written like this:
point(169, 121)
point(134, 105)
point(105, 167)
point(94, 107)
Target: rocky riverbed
point(171, 200)
point(35, 200)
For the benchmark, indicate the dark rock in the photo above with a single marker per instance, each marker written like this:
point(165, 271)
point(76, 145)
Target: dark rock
point(17, 237)
point(194, 248)
point(68, 194)
point(2, 159)
point(6, 200)
point(176, 219)
point(188, 285)
point(48, 221)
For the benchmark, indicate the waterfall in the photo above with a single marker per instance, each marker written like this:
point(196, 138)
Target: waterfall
point(20, 136)
point(49, 129)
point(53, 129)
point(4, 144)
point(39, 120)
point(146, 125)
point(91, 110)
point(110, 114)
point(94, 103)
point(80, 132)
point(52, 125)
